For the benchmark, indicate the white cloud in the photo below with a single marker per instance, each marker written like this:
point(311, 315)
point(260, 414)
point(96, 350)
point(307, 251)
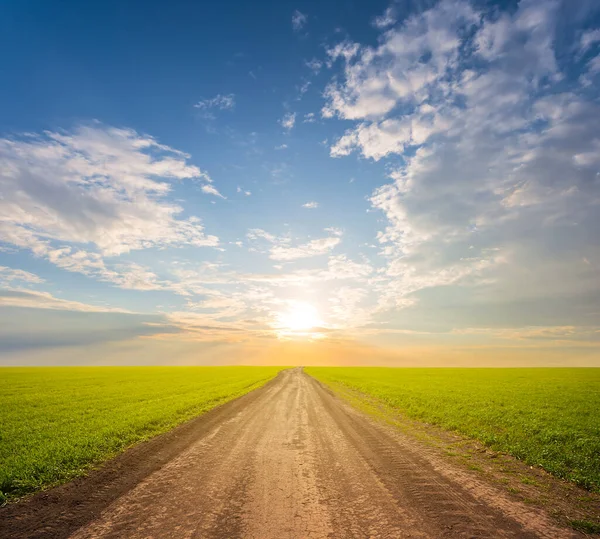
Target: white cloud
point(378, 79)
point(210, 189)
point(340, 267)
point(388, 18)
point(281, 247)
point(309, 118)
point(258, 233)
point(314, 65)
point(9, 275)
point(304, 88)
point(312, 248)
point(98, 186)
point(299, 20)
point(494, 169)
point(594, 65)
point(281, 147)
point(124, 275)
point(311, 205)
point(288, 121)
point(346, 50)
point(77, 197)
point(240, 190)
point(588, 39)
point(44, 300)
point(375, 140)
point(220, 102)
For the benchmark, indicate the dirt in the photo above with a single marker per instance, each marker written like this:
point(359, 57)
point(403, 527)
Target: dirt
point(290, 460)
point(531, 485)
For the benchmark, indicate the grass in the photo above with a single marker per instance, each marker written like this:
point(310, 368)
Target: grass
point(57, 422)
point(585, 526)
point(545, 417)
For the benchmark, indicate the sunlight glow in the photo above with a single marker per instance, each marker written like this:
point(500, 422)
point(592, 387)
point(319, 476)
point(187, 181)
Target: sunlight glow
point(300, 320)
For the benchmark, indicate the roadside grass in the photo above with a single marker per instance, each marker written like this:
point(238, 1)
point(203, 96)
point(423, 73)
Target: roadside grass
point(57, 422)
point(585, 526)
point(546, 417)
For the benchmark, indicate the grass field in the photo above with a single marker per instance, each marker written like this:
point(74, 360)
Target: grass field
point(545, 417)
point(56, 422)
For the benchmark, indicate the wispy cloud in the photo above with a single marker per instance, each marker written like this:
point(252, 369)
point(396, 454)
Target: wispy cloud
point(9, 276)
point(314, 65)
point(311, 205)
point(299, 20)
point(312, 248)
point(210, 189)
point(44, 300)
point(219, 102)
point(388, 18)
point(283, 248)
point(288, 121)
point(588, 39)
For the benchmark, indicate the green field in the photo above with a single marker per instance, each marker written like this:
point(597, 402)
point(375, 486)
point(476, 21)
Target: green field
point(545, 417)
point(57, 422)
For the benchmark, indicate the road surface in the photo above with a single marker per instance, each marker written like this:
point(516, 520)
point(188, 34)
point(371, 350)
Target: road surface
point(295, 461)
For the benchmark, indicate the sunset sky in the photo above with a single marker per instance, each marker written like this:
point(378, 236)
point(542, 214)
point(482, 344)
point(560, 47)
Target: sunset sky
point(415, 183)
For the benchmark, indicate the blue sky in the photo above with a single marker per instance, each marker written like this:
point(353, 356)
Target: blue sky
point(406, 183)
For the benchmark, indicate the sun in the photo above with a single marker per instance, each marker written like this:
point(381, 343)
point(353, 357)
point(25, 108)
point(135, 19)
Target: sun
point(301, 319)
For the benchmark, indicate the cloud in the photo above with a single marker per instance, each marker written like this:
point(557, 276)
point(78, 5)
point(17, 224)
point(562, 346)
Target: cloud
point(288, 121)
point(240, 190)
point(539, 333)
point(96, 185)
point(312, 248)
point(44, 300)
point(378, 79)
point(303, 89)
point(75, 198)
point(210, 189)
point(311, 205)
point(309, 118)
point(299, 20)
point(346, 50)
point(375, 140)
point(388, 18)
point(588, 39)
point(220, 102)
point(314, 65)
point(248, 305)
point(9, 275)
point(258, 233)
point(281, 147)
point(281, 247)
point(491, 154)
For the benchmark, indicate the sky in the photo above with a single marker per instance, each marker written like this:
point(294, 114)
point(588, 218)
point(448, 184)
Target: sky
point(414, 183)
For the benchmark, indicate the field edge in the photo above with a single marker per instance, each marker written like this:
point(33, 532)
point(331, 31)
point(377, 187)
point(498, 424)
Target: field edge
point(75, 503)
point(143, 436)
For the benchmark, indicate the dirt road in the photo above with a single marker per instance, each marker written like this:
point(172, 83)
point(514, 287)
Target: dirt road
point(296, 462)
